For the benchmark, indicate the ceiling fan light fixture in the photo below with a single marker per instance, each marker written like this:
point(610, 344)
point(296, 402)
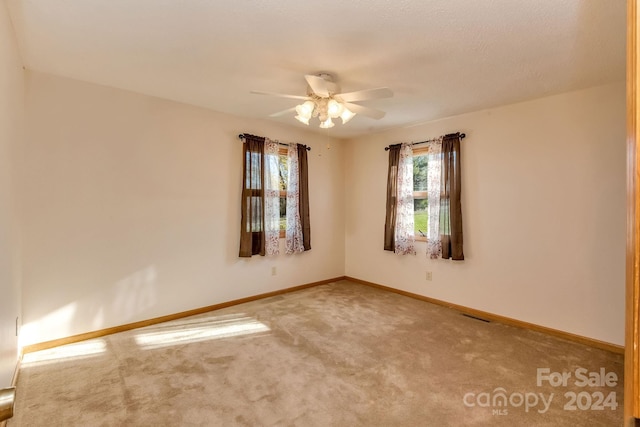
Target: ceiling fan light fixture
point(305, 110)
point(334, 108)
point(302, 119)
point(327, 123)
point(346, 115)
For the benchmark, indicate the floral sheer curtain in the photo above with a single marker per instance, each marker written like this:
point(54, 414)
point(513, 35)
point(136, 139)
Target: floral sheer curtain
point(399, 225)
point(434, 168)
point(293, 237)
point(404, 232)
point(271, 197)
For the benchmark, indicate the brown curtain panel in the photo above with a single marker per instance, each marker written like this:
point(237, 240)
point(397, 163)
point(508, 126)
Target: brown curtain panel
point(252, 237)
point(392, 191)
point(303, 188)
point(450, 207)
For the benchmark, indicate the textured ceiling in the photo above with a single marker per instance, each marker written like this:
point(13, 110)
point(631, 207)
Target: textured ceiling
point(440, 57)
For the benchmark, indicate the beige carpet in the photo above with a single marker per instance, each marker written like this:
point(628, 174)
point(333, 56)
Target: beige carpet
point(335, 355)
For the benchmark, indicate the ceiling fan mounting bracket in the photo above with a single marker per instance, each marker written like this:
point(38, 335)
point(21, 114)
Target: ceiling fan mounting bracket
point(326, 76)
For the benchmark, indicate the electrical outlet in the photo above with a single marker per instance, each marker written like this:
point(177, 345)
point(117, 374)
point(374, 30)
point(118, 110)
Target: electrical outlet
point(429, 275)
point(274, 271)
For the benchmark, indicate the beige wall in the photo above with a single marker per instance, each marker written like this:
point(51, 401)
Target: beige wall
point(11, 121)
point(543, 208)
point(132, 209)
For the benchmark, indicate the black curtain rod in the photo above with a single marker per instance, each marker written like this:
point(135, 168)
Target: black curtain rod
point(461, 135)
point(241, 136)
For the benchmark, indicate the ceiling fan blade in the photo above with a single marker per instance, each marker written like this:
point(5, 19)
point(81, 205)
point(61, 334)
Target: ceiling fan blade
point(280, 95)
point(282, 113)
point(318, 85)
point(365, 111)
point(364, 95)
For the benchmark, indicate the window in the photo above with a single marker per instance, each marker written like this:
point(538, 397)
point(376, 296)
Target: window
point(275, 198)
point(420, 195)
point(423, 198)
point(283, 171)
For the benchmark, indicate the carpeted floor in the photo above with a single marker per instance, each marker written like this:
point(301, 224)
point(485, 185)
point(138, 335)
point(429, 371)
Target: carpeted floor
point(341, 354)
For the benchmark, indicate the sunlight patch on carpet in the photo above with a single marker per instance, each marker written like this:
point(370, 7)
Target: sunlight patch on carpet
point(80, 350)
point(200, 331)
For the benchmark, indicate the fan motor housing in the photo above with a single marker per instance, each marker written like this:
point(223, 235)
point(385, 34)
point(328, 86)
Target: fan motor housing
point(332, 86)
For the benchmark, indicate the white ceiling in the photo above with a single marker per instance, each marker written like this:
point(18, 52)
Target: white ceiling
point(440, 57)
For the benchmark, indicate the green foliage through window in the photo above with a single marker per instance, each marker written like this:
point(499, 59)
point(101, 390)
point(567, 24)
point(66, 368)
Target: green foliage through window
point(420, 200)
point(284, 175)
point(420, 172)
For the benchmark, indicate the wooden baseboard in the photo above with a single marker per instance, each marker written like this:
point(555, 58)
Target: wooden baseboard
point(108, 331)
point(501, 319)
point(470, 311)
point(14, 379)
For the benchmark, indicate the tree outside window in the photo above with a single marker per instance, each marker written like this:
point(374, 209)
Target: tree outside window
point(420, 199)
point(284, 174)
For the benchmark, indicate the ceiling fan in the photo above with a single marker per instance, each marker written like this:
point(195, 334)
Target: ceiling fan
point(325, 101)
